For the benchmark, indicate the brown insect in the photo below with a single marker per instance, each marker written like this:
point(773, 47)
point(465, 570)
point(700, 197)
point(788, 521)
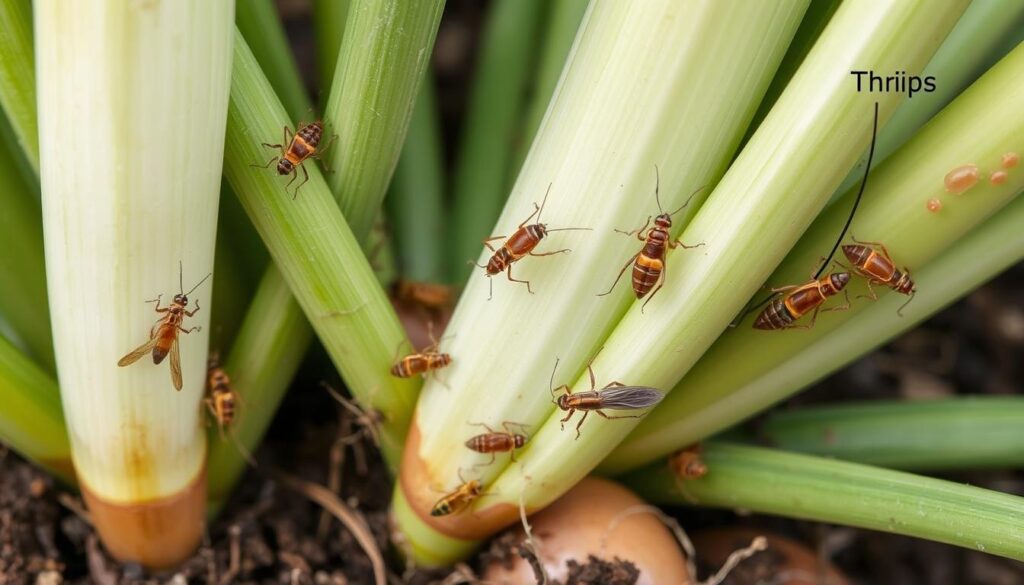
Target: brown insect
point(300, 146)
point(614, 396)
point(428, 295)
point(163, 337)
point(222, 401)
point(459, 499)
point(798, 300)
point(878, 267)
point(494, 442)
point(687, 463)
point(521, 243)
point(649, 262)
point(423, 362)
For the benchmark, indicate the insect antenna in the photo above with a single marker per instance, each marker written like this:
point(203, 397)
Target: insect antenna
point(570, 229)
point(697, 190)
point(543, 202)
point(198, 283)
point(657, 196)
point(551, 381)
point(860, 193)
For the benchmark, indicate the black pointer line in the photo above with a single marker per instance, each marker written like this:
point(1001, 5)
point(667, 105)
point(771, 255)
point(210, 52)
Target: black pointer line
point(849, 220)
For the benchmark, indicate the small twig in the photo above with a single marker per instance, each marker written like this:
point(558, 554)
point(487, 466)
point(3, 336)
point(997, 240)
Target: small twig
point(75, 505)
point(759, 544)
point(528, 548)
point(98, 569)
point(234, 555)
point(336, 466)
point(350, 518)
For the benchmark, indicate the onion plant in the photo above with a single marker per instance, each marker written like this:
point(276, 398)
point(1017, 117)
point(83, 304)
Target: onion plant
point(740, 119)
point(130, 165)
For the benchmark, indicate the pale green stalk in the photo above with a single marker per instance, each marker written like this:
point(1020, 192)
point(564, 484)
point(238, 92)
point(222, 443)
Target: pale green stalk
point(274, 334)
point(31, 421)
point(318, 256)
point(601, 177)
point(415, 202)
point(767, 481)
point(384, 53)
point(22, 268)
point(494, 119)
point(17, 75)
point(747, 370)
point(131, 153)
point(329, 19)
point(770, 194)
point(563, 20)
point(970, 432)
point(815, 19)
point(976, 42)
point(260, 25)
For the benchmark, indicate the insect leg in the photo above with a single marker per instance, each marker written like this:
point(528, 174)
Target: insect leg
point(842, 307)
point(196, 328)
point(562, 251)
point(487, 242)
point(871, 291)
point(879, 244)
point(195, 310)
point(678, 243)
point(295, 175)
point(270, 162)
point(621, 272)
point(639, 233)
point(526, 282)
point(618, 415)
point(320, 153)
point(580, 424)
point(661, 283)
point(157, 301)
point(814, 317)
point(536, 209)
point(572, 411)
point(484, 425)
point(287, 135)
point(305, 179)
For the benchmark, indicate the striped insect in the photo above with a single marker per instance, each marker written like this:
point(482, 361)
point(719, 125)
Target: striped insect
point(423, 362)
point(163, 337)
point(796, 301)
point(459, 499)
point(649, 262)
point(614, 396)
point(495, 442)
point(521, 243)
point(878, 267)
point(222, 401)
point(295, 149)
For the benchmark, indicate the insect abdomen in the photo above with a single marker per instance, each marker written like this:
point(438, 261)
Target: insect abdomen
point(311, 134)
point(492, 443)
point(775, 316)
point(646, 272)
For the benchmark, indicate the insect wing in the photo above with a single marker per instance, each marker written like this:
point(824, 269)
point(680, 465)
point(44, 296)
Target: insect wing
point(140, 351)
point(630, 397)
point(175, 364)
